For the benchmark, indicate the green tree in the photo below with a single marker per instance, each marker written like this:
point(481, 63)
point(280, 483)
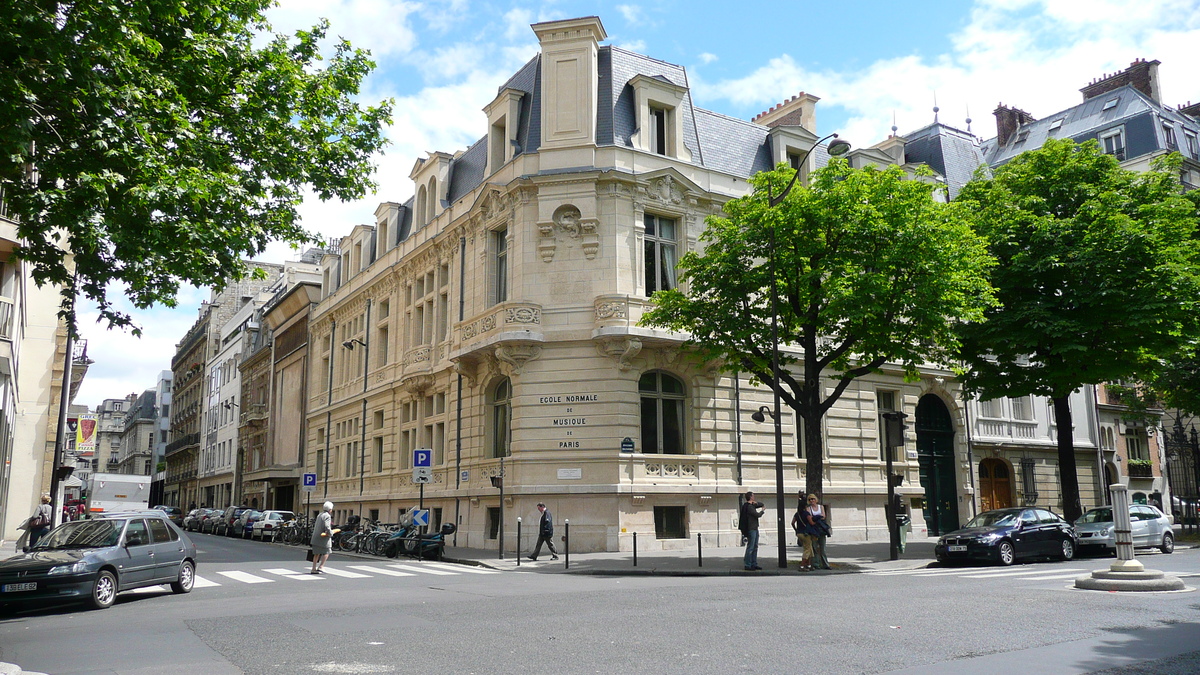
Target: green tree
point(163, 141)
point(870, 270)
point(1096, 277)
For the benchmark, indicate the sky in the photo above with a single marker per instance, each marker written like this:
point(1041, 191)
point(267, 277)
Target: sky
point(873, 63)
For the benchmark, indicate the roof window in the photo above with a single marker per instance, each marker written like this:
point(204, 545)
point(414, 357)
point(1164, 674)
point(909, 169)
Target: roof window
point(1110, 104)
point(1056, 125)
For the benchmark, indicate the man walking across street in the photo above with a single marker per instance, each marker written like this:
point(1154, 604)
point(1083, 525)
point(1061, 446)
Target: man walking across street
point(545, 534)
point(748, 517)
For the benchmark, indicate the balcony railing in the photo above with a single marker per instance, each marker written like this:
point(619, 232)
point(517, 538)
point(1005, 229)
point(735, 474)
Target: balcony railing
point(1140, 470)
point(190, 439)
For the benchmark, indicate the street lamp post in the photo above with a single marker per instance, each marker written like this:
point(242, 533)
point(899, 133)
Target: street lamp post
point(836, 148)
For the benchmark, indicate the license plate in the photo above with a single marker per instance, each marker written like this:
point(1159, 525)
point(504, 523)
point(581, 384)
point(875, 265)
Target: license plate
point(957, 549)
point(13, 588)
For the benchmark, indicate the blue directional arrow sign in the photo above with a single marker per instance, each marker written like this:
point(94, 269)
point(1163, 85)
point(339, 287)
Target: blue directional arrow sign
point(422, 457)
point(421, 518)
point(309, 484)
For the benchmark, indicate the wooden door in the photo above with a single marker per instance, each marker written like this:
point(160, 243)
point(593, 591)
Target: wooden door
point(995, 488)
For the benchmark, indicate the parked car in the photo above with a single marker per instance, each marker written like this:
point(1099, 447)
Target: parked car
point(174, 513)
point(211, 520)
point(1006, 535)
point(1151, 528)
point(270, 521)
point(225, 524)
point(191, 522)
point(94, 560)
point(245, 521)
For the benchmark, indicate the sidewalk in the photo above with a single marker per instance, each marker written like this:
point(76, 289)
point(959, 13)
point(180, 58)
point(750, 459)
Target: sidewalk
point(847, 557)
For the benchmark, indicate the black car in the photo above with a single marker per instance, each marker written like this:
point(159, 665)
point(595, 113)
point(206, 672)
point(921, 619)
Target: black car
point(93, 560)
point(1005, 535)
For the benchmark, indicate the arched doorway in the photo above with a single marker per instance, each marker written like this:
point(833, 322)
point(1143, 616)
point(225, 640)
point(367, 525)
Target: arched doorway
point(995, 488)
point(935, 456)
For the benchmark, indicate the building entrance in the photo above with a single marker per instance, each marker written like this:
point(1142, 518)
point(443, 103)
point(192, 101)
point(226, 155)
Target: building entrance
point(995, 487)
point(935, 456)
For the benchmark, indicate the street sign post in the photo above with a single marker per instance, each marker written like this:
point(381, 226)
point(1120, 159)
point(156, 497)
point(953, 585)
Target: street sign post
point(422, 457)
point(422, 474)
point(309, 484)
point(421, 518)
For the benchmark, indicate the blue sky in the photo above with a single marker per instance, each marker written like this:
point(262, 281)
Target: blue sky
point(866, 60)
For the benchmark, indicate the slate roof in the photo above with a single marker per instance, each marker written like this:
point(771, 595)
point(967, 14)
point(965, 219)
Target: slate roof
point(953, 153)
point(1088, 120)
point(715, 141)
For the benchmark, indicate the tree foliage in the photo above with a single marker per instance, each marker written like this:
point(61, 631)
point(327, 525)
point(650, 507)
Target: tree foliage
point(158, 142)
point(870, 270)
point(1096, 277)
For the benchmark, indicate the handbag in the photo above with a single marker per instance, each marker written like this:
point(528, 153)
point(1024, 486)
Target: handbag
point(824, 527)
point(308, 555)
point(38, 522)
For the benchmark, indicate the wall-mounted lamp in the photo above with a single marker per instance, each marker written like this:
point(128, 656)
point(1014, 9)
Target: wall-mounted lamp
point(762, 414)
point(349, 344)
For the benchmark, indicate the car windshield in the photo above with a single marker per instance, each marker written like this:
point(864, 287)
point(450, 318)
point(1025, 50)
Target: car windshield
point(83, 534)
point(1097, 516)
point(994, 518)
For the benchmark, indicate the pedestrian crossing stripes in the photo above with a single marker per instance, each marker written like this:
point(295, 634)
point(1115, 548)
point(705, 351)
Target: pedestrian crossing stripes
point(423, 570)
point(363, 572)
point(980, 573)
point(382, 570)
point(245, 577)
point(293, 574)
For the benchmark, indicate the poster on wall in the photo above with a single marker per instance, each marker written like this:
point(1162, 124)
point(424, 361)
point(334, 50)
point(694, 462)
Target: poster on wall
point(85, 434)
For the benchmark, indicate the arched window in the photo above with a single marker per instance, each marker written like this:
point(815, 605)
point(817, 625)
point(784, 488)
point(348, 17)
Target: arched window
point(501, 403)
point(419, 210)
point(662, 413)
point(433, 200)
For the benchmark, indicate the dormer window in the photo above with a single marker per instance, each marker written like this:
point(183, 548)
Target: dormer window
point(503, 114)
point(1055, 125)
point(498, 143)
point(658, 130)
point(658, 102)
point(1169, 137)
point(1110, 104)
point(1113, 143)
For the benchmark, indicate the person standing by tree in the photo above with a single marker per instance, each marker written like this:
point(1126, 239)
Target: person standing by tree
point(545, 534)
point(748, 517)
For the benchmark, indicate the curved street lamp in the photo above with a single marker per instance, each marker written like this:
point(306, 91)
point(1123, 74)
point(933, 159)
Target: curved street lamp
point(836, 148)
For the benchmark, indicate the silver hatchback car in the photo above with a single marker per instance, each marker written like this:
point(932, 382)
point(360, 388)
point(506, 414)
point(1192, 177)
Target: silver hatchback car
point(1151, 529)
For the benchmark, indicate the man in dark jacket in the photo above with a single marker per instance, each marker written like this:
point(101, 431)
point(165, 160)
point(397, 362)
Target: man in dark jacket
point(748, 517)
point(545, 534)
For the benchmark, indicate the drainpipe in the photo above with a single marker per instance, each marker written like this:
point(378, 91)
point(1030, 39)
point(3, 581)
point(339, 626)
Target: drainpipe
point(462, 275)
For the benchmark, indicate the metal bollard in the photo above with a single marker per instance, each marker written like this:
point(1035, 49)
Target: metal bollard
point(635, 549)
point(567, 545)
point(699, 550)
point(518, 541)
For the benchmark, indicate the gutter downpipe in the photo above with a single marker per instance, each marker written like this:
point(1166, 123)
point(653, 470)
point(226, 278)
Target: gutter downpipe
point(462, 275)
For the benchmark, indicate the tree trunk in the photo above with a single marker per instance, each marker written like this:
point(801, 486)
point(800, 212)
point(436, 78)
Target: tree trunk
point(813, 454)
point(1068, 474)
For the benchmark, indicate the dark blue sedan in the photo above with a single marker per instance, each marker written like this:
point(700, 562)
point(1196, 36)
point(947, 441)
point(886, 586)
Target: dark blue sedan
point(1007, 535)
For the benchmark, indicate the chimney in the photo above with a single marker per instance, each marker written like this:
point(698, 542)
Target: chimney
point(800, 110)
point(1142, 74)
point(1008, 120)
point(1191, 110)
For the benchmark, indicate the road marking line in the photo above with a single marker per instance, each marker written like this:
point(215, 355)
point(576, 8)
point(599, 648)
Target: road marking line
point(344, 573)
point(201, 582)
point(150, 589)
point(993, 575)
point(423, 570)
point(1051, 577)
point(463, 568)
point(246, 577)
point(380, 570)
point(292, 574)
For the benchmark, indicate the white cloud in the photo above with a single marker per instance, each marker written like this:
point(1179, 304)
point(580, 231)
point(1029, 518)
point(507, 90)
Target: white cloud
point(1034, 54)
point(631, 45)
point(381, 26)
point(707, 57)
point(632, 13)
point(516, 23)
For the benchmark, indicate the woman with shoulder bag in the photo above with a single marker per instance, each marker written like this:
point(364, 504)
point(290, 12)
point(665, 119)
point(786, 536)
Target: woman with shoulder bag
point(41, 520)
point(805, 534)
point(820, 525)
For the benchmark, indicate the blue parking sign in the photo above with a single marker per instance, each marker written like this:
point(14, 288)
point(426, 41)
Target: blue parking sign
point(308, 482)
point(422, 457)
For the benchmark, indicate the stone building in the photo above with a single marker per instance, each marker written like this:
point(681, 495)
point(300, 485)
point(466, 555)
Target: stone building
point(138, 435)
point(492, 320)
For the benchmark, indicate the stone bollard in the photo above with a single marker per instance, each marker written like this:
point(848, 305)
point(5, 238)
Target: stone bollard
point(1126, 573)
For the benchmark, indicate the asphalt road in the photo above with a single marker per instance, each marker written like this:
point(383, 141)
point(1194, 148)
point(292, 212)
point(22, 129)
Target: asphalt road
point(258, 613)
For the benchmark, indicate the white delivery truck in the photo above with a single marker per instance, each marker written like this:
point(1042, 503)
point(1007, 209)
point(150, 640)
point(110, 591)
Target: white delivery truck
point(111, 492)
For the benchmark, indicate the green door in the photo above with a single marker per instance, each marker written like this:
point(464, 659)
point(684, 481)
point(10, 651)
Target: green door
point(935, 456)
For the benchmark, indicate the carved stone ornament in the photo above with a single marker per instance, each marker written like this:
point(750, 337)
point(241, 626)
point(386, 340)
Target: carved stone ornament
point(514, 355)
point(623, 349)
point(522, 315)
point(417, 384)
point(666, 190)
point(566, 219)
point(612, 309)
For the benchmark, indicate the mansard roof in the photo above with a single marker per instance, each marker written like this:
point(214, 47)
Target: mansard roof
point(953, 153)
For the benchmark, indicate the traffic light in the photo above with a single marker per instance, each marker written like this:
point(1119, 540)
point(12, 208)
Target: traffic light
point(894, 428)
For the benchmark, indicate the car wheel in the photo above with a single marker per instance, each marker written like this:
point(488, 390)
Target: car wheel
point(1168, 544)
point(104, 592)
point(1005, 553)
point(1068, 549)
point(187, 577)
